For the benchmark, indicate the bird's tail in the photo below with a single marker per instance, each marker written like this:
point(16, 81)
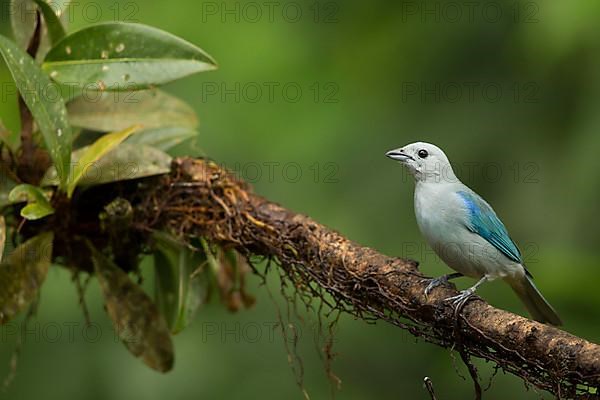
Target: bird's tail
point(535, 303)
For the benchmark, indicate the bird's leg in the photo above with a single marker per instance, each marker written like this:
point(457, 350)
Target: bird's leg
point(461, 299)
point(442, 280)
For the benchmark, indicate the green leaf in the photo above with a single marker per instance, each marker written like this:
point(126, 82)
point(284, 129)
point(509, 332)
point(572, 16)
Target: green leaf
point(119, 56)
point(27, 193)
point(55, 26)
point(136, 318)
point(49, 112)
point(38, 207)
point(126, 161)
point(164, 138)
point(23, 273)
point(22, 18)
point(95, 152)
point(116, 111)
point(35, 211)
point(180, 290)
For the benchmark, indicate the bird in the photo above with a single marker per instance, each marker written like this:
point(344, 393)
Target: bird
point(465, 232)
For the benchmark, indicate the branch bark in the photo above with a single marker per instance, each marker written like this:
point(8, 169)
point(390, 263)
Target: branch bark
point(201, 199)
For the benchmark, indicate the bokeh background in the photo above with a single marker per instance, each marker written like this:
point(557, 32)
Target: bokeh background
point(308, 97)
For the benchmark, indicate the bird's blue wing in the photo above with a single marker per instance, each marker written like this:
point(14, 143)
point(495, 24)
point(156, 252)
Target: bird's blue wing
point(484, 221)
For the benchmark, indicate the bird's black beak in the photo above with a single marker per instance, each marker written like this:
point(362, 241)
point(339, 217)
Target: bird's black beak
point(398, 155)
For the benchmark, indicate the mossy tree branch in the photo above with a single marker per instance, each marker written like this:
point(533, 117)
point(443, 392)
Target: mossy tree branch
point(201, 199)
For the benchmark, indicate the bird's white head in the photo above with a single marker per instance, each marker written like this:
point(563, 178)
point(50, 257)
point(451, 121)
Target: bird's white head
point(425, 161)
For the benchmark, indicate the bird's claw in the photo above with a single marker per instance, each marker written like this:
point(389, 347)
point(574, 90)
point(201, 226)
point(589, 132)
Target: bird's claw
point(461, 299)
point(433, 283)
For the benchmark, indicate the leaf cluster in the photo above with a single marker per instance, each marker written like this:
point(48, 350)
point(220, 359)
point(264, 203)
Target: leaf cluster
point(92, 114)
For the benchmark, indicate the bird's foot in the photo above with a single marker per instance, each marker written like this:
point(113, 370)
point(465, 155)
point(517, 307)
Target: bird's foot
point(442, 280)
point(462, 298)
point(433, 283)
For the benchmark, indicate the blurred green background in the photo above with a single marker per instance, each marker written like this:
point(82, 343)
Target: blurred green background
point(308, 98)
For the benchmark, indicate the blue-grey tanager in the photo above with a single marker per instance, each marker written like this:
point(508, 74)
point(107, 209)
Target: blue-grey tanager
point(464, 230)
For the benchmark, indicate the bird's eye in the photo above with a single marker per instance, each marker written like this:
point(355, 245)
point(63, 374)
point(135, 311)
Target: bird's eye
point(423, 153)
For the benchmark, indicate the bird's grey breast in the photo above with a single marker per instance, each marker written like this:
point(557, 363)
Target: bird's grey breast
point(442, 218)
point(439, 211)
